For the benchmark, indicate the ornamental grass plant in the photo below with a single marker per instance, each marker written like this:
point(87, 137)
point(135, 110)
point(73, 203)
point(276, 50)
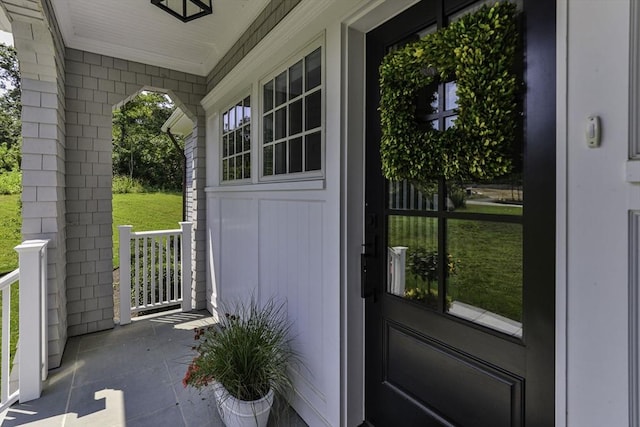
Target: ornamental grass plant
point(248, 352)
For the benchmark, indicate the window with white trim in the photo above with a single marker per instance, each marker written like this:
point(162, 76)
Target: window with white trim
point(236, 141)
point(292, 119)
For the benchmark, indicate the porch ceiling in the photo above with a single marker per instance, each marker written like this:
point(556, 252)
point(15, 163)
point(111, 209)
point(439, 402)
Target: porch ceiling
point(139, 31)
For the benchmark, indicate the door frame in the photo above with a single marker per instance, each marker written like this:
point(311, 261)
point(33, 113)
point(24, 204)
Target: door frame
point(354, 30)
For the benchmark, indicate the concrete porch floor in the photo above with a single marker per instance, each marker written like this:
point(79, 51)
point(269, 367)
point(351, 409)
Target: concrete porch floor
point(128, 376)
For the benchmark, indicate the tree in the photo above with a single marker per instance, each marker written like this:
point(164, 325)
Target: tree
point(140, 149)
point(10, 109)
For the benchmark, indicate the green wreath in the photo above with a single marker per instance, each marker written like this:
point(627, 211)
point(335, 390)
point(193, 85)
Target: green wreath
point(478, 52)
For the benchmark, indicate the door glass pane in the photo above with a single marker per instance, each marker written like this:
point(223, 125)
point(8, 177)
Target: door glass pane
point(268, 96)
point(268, 160)
point(434, 102)
point(313, 113)
point(295, 155)
point(412, 258)
point(449, 121)
point(232, 168)
point(232, 144)
point(450, 96)
point(246, 136)
point(232, 119)
point(281, 123)
point(225, 169)
point(405, 195)
point(312, 65)
point(295, 117)
point(484, 280)
point(281, 158)
point(239, 114)
point(247, 166)
point(225, 122)
point(295, 80)
point(281, 88)
point(239, 166)
point(268, 129)
point(239, 141)
point(313, 152)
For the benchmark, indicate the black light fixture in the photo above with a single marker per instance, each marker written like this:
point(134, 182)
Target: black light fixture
point(185, 10)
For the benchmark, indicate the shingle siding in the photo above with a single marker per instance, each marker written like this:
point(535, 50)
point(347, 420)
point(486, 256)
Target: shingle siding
point(95, 84)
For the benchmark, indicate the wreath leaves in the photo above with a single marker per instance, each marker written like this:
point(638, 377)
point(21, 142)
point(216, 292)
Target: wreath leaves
point(479, 52)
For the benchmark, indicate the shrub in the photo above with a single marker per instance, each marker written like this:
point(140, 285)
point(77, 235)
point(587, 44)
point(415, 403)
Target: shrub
point(11, 182)
point(124, 184)
point(248, 352)
point(458, 197)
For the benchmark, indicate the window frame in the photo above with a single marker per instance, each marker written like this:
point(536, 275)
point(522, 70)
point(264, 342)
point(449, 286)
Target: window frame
point(284, 67)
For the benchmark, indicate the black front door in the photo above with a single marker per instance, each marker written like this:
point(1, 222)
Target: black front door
point(459, 277)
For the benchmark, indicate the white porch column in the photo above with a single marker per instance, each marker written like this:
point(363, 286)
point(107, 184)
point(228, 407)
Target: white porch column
point(32, 366)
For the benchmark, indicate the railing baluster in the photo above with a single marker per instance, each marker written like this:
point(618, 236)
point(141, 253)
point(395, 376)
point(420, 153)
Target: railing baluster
point(145, 294)
point(175, 267)
point(6, 341)
point(154, 262)
point(167, 266)
point(137, 272)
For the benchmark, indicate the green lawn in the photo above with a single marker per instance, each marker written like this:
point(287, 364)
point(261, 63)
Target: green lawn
point(10, 224)
point(145, 211)
point(487, 258)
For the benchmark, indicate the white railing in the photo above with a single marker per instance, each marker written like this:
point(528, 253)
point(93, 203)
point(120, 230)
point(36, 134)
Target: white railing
point(397, 272)
point(31, 355)
point(155, 269)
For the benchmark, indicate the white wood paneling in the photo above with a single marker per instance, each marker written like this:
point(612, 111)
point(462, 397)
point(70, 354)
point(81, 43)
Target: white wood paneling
point(274, 245)
point(238, 248)
point(291, 265)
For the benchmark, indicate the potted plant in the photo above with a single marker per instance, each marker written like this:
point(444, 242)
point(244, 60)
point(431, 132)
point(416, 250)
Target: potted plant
point(245, 357)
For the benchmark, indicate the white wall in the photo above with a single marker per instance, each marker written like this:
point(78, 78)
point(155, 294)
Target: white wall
point(283, 238)
point(595, 77)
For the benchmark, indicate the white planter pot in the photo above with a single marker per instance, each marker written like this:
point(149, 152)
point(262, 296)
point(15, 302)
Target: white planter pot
point(242, 413)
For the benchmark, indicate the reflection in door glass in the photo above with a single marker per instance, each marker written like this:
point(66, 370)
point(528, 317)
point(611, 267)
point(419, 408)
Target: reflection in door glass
point(412, 258)
point(405, 195)
point(485, 286)
point(500, 196)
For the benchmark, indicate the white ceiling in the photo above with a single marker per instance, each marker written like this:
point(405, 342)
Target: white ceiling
point(137, 30)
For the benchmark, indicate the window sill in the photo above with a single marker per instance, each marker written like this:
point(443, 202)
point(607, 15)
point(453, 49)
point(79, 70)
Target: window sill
point(316, 184)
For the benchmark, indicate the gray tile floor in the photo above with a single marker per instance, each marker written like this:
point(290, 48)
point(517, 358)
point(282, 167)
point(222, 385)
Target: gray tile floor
point(129, 376)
